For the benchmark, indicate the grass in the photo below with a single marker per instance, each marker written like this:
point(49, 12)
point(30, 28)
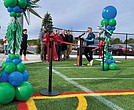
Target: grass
point(39, 79)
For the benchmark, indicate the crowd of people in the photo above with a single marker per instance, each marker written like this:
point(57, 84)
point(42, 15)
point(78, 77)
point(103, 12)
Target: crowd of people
point(62, 44)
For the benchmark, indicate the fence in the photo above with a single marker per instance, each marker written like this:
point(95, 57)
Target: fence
point(123, 37)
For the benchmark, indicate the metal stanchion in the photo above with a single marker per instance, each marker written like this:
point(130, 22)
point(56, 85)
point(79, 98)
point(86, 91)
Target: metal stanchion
point(49, 92)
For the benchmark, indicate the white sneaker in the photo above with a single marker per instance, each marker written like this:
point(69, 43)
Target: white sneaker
point(88, 64)
point(91, 62)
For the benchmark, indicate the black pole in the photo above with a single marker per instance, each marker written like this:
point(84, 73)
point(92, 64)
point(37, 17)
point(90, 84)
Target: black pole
point(99, 42)
point(50, 68)
point(126, 48)
point(81, 48)
point(49, 92)
point(14, 49)
point(103, 58)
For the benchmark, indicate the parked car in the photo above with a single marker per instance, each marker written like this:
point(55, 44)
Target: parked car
point(132, 45)
point(96, 43)
point(74, 47)
point(120, 49)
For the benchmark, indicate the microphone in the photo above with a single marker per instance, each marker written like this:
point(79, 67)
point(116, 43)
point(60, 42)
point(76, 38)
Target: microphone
point(81, 35)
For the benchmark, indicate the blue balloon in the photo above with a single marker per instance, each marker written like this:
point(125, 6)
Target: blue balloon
point(113, 61)
point(16, 9)
point(17, 61)
point(9, 60)
point(109, 12)
point(20, 60)
point(21, 10)
point(113, 28)
point(10, 9)
point(15, 78)
point(25, 75)
point(4, 76)
point(108, 61)
point(108, 27)
point(109, 54)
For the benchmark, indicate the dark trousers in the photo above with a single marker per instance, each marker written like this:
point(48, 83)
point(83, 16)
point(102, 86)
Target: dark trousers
point(88, 53)
point(58, 50)
point(43, 52)
point(23, 50)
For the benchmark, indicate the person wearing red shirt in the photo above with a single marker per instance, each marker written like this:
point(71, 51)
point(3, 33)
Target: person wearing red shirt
point(58, 43)
point(47, 39)
point(5, 45)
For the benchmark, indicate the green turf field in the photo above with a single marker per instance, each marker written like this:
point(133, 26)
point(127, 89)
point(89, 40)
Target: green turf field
point(69, 78)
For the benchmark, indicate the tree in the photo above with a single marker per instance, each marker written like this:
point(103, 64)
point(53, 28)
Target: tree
point(115, 41)
point(130, 40)
point(47, 22)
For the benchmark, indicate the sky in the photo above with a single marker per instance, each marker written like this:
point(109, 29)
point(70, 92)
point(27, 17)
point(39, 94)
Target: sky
point(75, 15)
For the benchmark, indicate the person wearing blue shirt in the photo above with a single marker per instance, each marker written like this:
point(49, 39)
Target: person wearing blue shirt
point(90, 41)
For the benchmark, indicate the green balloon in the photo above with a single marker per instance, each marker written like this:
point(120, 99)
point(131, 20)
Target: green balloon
point(10, 3)
point(22, 3)
point(105, 48)
point(107, 53)
point(10, 67)
point(111, 31)
point(24, 91)
point(107, 57)
point(7, 93)
point(111, 57)
point(12, 56)
point(18, 15)
point(113, 66)
point(4, 64)
point(12, 14)
point(17, 56)
point(21, 67)
point(112, 22)
point(104, 22)
point(28, 4)
point(105, 66)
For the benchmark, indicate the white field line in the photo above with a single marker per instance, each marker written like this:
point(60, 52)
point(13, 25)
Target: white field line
point(100, 98)
point(102, 78)
point(83, 67)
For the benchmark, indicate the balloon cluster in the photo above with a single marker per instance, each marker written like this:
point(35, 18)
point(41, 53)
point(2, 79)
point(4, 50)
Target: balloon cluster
point(109, 13)
point(109, 63)
point(13, 80)
point(16, 7)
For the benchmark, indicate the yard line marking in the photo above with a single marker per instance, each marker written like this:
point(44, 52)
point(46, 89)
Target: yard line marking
point(101, 99)
point(83, 67)
point(31, 104)
point(77, 67)
point(82, 102)
point(102, 78)
point(82, 105)
point(22, 106)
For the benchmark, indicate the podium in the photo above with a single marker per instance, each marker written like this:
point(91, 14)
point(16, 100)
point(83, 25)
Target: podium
point(81, 46)
point(79, 51)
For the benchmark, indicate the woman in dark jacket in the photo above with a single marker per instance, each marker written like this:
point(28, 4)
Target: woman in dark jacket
point(24, 44)
point(64, 46)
